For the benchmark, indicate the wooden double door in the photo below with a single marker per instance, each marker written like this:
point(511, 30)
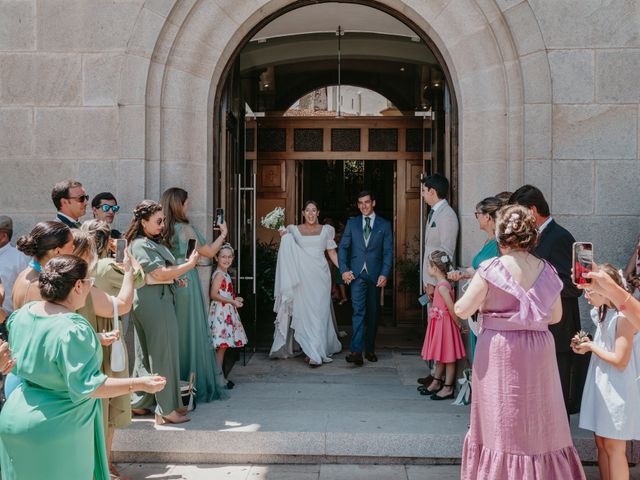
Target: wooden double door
point(330, 160)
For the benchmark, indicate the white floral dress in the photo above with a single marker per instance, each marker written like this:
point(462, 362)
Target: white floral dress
point(224, 322)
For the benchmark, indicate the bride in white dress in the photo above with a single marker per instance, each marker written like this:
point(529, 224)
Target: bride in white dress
point(303, 291)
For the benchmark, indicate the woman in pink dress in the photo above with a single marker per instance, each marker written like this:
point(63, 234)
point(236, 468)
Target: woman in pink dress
point(519, 427)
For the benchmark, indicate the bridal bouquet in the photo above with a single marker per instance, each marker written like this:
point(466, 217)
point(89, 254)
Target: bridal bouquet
point(274, 220)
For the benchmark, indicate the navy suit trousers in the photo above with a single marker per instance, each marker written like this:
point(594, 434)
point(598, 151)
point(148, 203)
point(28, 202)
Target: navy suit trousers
point(364, 299)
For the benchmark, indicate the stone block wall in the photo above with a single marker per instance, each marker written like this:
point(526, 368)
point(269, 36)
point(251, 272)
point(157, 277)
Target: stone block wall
point(118, 94)
point(61, 65)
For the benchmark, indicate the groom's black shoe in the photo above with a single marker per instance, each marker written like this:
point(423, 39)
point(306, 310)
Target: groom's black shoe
point(371, 356)
point(355, 358)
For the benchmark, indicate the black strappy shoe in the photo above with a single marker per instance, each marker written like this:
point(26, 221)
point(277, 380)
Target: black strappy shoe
point(425, 390)
point(446, 397)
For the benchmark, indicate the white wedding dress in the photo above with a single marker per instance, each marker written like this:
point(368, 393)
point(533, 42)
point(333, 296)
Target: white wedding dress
point(303, 297)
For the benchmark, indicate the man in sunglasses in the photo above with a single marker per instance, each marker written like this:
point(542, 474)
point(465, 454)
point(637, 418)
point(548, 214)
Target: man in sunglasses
point(70, 199)
point(105, 206)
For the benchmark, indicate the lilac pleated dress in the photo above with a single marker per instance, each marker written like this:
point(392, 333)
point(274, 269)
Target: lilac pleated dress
point(519, 427)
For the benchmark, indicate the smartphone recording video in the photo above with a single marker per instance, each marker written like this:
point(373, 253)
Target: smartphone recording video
point(582, 262)
point(191, 246)
point(219, 218)
point(121, 246)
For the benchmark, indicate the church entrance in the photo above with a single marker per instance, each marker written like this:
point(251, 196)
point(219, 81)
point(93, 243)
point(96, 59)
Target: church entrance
point(359, 101)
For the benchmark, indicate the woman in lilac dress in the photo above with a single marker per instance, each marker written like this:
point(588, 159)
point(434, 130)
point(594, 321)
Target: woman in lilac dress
point(519, 427)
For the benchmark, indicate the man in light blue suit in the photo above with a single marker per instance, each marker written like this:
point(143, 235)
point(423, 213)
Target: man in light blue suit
point(365, 257)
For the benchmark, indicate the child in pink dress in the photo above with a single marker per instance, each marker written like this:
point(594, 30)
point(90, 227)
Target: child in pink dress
point(442, 342)
point(224, 322)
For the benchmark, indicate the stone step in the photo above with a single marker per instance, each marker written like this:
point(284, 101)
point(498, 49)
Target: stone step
point(283, 412)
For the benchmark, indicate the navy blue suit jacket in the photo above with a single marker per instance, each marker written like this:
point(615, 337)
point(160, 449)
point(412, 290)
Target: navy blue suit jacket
point(378, 254)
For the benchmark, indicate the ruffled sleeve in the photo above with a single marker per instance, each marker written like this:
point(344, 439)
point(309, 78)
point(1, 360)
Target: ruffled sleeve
point(330, 235)
point(79, 359)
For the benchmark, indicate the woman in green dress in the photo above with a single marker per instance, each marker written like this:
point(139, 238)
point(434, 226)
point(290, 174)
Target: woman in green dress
point(196, 355)
point(486, 211)
point(154, 313)
point(51, 426)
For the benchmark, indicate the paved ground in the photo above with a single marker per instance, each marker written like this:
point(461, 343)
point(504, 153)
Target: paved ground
point(305, 472)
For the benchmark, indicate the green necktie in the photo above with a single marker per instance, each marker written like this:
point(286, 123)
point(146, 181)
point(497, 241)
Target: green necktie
point(78, 224)
point(367, 228)
point(429, 216)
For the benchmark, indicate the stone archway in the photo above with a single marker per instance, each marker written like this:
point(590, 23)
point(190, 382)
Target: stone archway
point(179, 49)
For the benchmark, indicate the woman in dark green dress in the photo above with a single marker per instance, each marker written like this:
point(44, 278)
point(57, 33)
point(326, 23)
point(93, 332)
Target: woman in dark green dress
point(196, 355)
point(154, 313)
point(51, 426)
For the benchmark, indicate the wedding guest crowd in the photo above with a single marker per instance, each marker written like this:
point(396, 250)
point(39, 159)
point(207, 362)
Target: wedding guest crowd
point(64, 270)
point(520, 298)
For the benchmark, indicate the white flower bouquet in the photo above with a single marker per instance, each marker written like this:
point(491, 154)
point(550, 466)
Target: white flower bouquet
point(274, 220)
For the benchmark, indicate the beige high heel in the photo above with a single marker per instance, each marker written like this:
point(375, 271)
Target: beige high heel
point(160, 420)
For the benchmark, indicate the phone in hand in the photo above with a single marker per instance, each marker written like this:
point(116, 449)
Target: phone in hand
point(219, 218)
point(423, 300)
point(582, 262)
point(121, 246)
point(191, 246)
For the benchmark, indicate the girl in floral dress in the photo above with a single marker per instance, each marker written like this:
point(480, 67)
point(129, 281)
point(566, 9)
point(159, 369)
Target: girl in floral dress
point(224, 322)
point(442, 342)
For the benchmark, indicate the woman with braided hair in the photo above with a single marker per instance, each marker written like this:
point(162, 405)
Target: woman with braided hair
point(154, 313)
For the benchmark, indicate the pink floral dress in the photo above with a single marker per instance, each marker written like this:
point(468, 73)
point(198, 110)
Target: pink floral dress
point(443, 341)
point(224, 322)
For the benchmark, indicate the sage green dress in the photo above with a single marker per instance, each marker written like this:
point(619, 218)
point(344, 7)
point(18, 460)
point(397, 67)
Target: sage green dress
point(196, 355)
point(50, 428)
point(156, 330)
point(109, 277)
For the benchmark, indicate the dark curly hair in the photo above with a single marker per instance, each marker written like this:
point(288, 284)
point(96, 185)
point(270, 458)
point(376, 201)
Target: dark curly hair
point(143, 211)
point(516, 228)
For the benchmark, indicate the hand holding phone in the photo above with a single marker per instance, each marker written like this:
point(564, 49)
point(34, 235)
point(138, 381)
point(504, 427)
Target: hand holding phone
point(219, 218)
point(121, 246)
point(191, 246)
point(582, 262)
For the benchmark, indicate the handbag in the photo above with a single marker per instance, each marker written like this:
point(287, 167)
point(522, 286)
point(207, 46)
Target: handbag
point(117, 347)
point(188, 392)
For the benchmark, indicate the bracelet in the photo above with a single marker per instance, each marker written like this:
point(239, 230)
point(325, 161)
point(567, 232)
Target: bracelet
point(622, 307)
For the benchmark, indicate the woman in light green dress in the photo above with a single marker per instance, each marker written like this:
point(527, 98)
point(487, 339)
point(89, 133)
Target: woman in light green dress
point(154, 313)
point(196, 355)
point(51, 426)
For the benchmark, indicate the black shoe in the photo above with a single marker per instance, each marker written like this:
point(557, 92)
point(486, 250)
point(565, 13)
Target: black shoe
point(446, 397)
point(230, 385)
point(426, 381)
point(371, 357)
point(355, 358)
point(424, 390)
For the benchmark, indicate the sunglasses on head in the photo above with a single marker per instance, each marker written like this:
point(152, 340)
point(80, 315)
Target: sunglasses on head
point(80, 198)
point(114, 208)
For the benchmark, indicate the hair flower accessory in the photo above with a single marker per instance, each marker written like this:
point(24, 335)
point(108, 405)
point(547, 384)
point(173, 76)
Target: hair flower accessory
point(444, 258)
point(513, 218)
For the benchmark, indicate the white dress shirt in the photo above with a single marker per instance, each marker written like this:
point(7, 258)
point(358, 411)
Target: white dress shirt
point(544, 225)
point(12, 262)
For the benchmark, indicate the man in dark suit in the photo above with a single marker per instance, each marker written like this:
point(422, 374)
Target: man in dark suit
point(365, 257)
point(555, 246)
point(70, 199)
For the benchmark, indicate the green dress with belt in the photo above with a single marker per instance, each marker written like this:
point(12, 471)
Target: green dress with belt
point(50, 427)
point(156, 330)
point(196, 355)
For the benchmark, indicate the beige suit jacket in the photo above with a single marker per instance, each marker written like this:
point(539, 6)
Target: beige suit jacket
point(441, 234)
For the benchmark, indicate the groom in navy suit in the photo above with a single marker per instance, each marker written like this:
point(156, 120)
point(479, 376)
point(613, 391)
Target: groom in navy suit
point(365, 257)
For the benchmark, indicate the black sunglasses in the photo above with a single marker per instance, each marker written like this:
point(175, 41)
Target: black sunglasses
point(114, 208)
point(80, 198)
